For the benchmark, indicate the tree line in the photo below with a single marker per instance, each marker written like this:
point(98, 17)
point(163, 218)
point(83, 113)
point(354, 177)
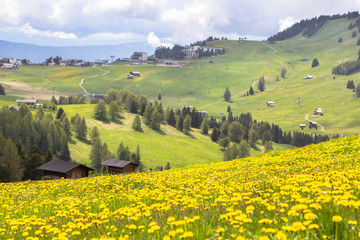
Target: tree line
point(348, 67)
point(37, 139)
point(64, 100)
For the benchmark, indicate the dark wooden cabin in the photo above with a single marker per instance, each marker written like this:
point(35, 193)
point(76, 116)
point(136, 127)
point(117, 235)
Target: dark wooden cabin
point(119, 166)
point(56, 169)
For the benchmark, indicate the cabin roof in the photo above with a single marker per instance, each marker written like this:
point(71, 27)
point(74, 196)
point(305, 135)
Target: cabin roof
point(61, 166)
point(117, 163)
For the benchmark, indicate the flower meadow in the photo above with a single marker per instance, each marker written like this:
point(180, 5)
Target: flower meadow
point(306, 193)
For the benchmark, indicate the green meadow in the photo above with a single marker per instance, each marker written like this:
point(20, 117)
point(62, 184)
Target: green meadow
point(202, 84)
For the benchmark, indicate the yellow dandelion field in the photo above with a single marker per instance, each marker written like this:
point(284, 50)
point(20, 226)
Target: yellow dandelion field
point(305, 193)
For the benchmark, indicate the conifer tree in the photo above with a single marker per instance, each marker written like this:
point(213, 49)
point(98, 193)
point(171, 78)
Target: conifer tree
point(261, 84)
point(227, 95)
point(251, 91)
point(2, 90)
point(315, 63)
point(95, 155)
point(268, 146)
point(205, 125)
point(170, 117)
point(100, 110)
point(179, 123)
point(95, 134)
point(39, 114)
point(167, 166)
point(147, 114)
point(59, 113)
point(283, 72)
point(358, 90)
point(231, 152)
point(353, 35)
point(215, 134)
point(187, 124)
point(67, 128)
point(136, 125)
point(10, 160)
point(340, 40)
point(64, 148)
point(114, 110)
point(156, 119)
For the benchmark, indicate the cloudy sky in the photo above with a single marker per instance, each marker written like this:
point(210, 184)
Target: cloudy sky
point(98, 22)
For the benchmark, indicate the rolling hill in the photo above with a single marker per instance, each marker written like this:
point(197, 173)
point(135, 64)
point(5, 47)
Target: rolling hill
point(202, 84)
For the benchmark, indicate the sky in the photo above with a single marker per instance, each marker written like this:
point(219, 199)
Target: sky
point(156, 22)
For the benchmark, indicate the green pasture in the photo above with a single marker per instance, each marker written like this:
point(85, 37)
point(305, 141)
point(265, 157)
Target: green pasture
point(202, 84)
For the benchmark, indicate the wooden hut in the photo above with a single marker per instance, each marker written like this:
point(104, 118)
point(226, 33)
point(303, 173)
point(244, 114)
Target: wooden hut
point(270, 104)
point(119, 166)
point(61, 169)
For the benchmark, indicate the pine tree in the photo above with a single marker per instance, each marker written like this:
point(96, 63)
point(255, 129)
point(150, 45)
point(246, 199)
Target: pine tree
point(205, 125)
point(10, 160)
point(354, 35)
point(358, 42)
point(64, 148)
point(251, 91)
point(253, 137)
point(142, 104)
point(100, 110)
point(67, 128)
point(179, 123)
point(215, 134)
point(136, 125)
point(170, 117)
point(266, 137)
point(167, 166)
point(39, 114)
point(59, 113)
point(111, 96)
point(147, 114)
point(227, 95)
point(187, 124)
point(340, 40)
point(95, 134)
point(95, 155)
point(224, 142)
point(315, 63)
point(2, 90)
point(156, 119)
point(261, 84)
point(114, 110)
point(159, 97)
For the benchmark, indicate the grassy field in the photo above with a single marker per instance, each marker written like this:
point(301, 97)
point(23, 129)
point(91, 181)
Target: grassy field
point(202, 84)
point(157, 148)
point(305, 193)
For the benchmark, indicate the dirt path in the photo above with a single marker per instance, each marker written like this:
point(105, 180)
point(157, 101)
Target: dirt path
point(83, 79)
point(275, 52)
point(321, 126)
point(221, 100)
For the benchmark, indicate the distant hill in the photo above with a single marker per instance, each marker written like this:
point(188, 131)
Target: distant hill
point(309, 27)
point(38, 54)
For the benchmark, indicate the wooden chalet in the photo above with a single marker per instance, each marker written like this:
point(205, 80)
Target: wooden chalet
point(119, 166)
point(56, 169)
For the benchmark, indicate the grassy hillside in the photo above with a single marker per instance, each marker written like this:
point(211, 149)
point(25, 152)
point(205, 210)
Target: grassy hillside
point(306, 193)
point(157, 148)
point(202, 84)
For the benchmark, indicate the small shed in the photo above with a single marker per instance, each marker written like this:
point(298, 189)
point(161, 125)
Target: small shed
point(270, 104)
point(56, 169)
point(130, 77)
point(318, 112)
point(119, 166)
point(99, 96)
point(309, 77)
point(136, 74)
point(302, 126)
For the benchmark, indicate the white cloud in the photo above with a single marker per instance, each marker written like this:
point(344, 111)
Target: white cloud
point(286, 22)
point(30, 31)
point(154, 41)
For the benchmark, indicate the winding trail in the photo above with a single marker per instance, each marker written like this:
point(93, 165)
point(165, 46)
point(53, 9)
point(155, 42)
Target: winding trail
point(321, 126)
point(275, 52)
point(83, 79)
